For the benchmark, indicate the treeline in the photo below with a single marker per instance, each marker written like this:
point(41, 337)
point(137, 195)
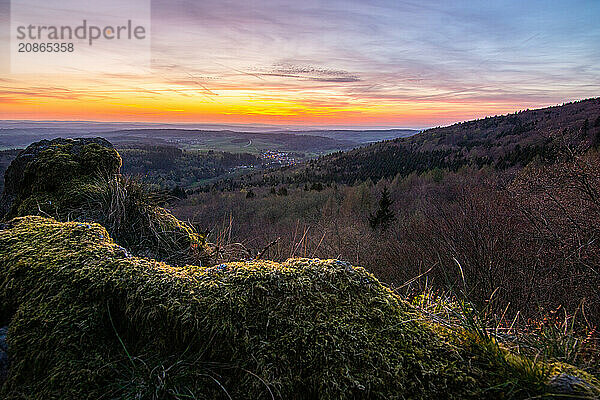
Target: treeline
point(387, 161)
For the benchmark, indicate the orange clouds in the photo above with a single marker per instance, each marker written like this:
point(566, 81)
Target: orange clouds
point(234, 98)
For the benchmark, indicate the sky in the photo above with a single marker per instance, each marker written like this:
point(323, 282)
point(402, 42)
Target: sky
point(345, 63)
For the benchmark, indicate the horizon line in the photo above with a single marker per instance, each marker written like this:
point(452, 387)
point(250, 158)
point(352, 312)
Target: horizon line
point(288, 126)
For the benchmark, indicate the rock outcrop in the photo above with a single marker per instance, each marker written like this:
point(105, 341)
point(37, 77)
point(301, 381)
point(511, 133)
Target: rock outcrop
point(78, 179)
point(87, 320)
point(47, 165)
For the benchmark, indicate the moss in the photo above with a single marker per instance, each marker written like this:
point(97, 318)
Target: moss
point(88, 320)
point(56, 167)
point(78, 179)
point(55, 170)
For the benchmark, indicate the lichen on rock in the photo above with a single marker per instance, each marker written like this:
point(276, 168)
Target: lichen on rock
point(87, 320)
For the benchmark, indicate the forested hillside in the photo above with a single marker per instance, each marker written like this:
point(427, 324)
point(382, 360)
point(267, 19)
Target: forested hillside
point(165, 167)
point(169, 166)
point(500, 142)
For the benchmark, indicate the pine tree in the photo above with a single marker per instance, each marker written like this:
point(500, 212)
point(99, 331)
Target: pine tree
point(384, 216)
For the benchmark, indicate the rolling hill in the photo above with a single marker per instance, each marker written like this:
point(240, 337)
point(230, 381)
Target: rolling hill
point(501, 142)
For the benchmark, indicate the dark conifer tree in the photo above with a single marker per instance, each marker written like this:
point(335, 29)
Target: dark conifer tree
point(384, 216)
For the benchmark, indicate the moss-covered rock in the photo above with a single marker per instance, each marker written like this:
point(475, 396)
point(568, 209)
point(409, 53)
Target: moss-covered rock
point(78, 179)
point(88, 320)
point(48, 166)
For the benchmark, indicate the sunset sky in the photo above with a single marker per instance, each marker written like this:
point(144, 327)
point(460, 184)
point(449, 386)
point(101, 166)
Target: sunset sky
point(340, 63)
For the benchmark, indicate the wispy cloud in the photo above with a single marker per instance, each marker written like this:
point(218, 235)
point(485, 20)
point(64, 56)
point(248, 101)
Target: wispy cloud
point(311, 73)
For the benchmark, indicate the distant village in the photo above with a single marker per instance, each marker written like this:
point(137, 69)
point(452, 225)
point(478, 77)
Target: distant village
point(278, 158)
